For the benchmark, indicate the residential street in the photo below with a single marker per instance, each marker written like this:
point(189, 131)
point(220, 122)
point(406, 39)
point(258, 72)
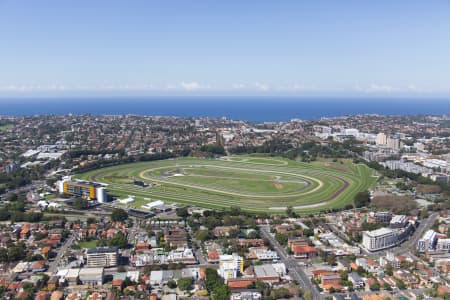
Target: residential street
point(294, 270)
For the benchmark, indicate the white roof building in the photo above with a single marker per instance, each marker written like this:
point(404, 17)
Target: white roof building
point(153, 204)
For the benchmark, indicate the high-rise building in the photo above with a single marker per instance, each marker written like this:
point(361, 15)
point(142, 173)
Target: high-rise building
point(381, 139)
point(393, 143)
point(220, 139)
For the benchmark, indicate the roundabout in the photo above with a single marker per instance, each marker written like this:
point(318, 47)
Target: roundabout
point(253, 183)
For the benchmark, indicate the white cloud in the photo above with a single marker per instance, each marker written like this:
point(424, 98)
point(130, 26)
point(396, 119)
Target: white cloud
point(31, 88)
point(122, 87)
point(413, 88)
point(261, 86)
point(196, 86)
point(238, 86)
point(297, 88)
point(391, 89)
point(193, 86)
point(375, 88)
point(380, 88)
point(169, 87)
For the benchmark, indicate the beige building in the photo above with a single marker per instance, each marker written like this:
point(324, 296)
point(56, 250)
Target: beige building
point(381, 139)
point(102, 257)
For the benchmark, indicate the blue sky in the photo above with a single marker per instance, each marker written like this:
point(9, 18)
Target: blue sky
point(300, 48)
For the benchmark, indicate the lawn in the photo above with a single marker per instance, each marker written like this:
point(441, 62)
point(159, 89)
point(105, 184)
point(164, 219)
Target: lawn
point(253, 183)
point(50, 196)
point(6, 127)
point(88, 244)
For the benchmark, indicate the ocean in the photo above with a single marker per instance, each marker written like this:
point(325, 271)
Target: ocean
point(254, 109)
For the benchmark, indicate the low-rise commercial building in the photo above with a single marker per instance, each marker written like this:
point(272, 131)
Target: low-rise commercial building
point(266, 273)
point(91, 276)
point(398, 221)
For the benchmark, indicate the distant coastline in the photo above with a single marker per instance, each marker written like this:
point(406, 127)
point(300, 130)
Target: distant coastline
point(255, 109)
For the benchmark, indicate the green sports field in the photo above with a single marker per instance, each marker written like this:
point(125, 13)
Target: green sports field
point(253, 183)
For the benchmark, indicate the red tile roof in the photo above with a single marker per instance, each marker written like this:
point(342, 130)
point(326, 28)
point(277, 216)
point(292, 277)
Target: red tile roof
point(304, 249)
point(239, 284)
point(213, 254)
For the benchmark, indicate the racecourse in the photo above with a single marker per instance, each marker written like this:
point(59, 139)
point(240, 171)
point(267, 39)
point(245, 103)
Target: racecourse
point(253, 183)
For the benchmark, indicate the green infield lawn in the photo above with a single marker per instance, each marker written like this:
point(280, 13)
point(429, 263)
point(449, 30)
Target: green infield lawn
point(6, 127)
point(253, 183)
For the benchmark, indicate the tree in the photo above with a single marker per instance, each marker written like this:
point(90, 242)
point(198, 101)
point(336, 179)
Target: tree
point(4, 214)
point(235, 211)
point(375, 286)
point(80, 203)
point(119, 215)
point(282, 293)
point(91, 220)
point(253, 235)
point(213, 279)
point(11, 197)
point(400, 284)
point(185, 284)
point(16, 253)
point(307, 295)
point(119, 240)
point(202, 235)
point(360, 270)
point(28, 287)
point(389, 270)
point(3, 254)
point(362, 199)
point(172, 284)
point(182, 212)
point(308, 232)
point(221, 292)
point(290, 212)
point(281, 238)
point(213, 149)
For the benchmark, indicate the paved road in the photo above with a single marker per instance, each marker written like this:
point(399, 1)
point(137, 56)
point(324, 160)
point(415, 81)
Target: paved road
point(410, 245)
point(295, 271)
point(426, 224)
point(53, 266)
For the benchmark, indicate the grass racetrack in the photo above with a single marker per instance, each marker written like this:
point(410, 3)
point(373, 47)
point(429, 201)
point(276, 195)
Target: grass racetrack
point(253, 183)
